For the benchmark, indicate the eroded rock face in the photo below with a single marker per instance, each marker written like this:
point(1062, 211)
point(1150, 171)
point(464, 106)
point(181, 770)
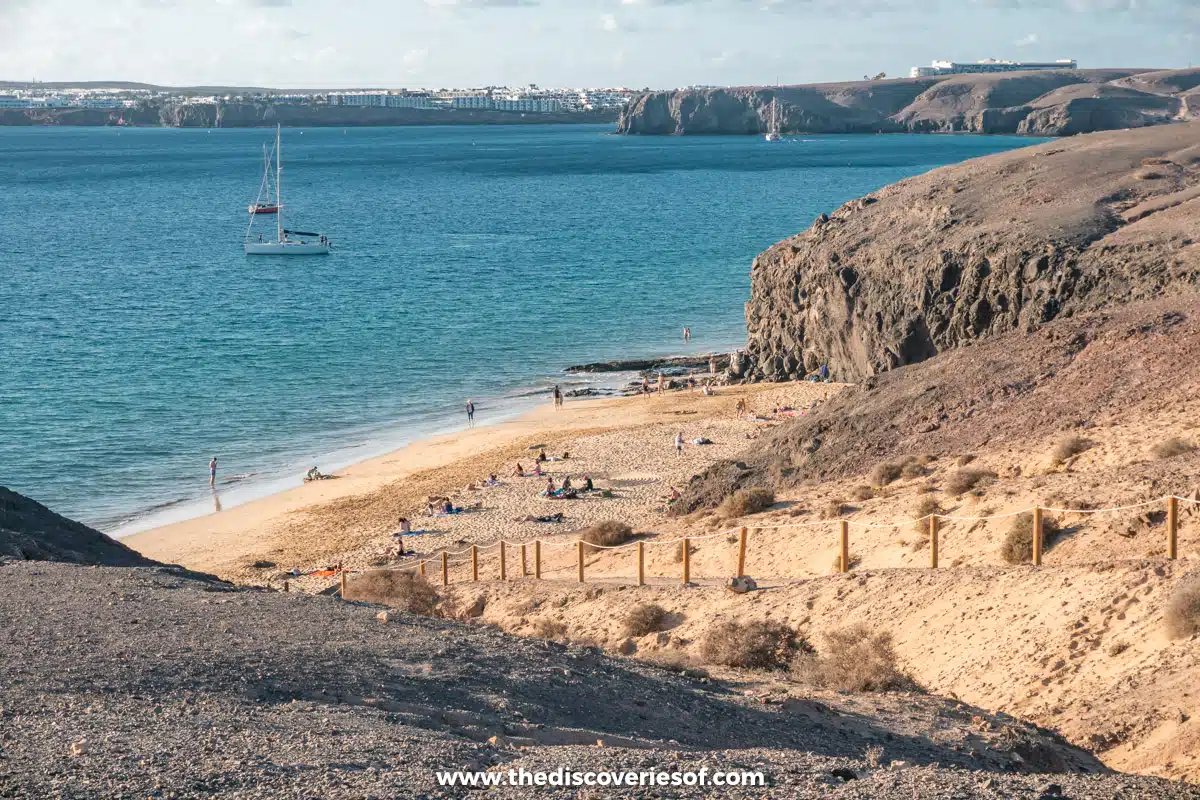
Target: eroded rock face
point(1050, 103)
point(965, 252)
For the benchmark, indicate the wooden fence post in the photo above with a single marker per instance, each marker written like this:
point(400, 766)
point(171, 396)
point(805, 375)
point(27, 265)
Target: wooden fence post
point(844, 554)
point(343, 588)
point(1172, 528)
point(741, 569)
point(1037, 536)
point(445, 570)
point(524, 572)
point(579, 547)
point(421, 567)
point(641, 548)
point(537, 559)
point(687, 561)
point(474, 562)
point(503, 575)
point(286, 588)
point(933, 542)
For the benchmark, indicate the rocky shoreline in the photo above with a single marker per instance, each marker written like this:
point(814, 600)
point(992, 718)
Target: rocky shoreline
point(258, 115)
point(1049, 103)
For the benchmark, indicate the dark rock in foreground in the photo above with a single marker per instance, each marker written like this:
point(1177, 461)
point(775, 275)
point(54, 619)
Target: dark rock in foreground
point(1006, 242)
point(30, 531)
point(139, 682)
point(1042, 103)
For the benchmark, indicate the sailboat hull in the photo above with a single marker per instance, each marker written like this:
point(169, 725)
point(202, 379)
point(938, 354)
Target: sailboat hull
point(287, 248)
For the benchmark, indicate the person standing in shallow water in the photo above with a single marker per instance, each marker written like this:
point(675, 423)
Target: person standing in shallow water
point(470, 414)
point(212, 472)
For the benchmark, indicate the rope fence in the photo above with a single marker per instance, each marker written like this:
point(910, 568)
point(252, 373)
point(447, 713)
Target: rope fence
point(528, 554)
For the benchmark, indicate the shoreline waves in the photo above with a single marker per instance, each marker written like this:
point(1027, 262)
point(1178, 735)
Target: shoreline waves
point(624, 443)
point(240, 488)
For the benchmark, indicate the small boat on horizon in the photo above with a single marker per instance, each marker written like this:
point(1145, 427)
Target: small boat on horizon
point(286, 242)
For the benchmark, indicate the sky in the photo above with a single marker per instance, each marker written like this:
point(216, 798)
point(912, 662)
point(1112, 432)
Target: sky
point(632, 43)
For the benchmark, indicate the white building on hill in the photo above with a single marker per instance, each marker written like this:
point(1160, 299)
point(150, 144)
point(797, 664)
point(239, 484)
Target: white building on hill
point(989, 65)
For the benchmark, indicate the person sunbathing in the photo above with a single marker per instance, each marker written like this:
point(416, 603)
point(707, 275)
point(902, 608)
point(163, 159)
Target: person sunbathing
point(566, 484)
point(587, 483)
point(549, 492)
point(520, 471)
point(492, 481)
point(559, 517)
point(537, 469)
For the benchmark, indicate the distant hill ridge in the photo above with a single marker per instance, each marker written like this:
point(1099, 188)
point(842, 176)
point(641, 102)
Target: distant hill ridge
point(1036, 103)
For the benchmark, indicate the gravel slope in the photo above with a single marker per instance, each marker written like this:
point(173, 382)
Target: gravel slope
point(182, 688)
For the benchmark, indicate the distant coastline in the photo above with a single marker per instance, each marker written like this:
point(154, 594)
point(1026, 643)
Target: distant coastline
point(261, 114)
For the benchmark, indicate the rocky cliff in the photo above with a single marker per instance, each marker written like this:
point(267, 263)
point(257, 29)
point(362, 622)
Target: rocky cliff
point(1052, 103)
point(964, 252)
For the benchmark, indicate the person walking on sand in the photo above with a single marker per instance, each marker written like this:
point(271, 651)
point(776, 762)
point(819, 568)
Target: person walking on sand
point(645, 387)
point(692, 381)
point(712, 366)
point(470, 414)
point(558, 400)
point(662, 383)
point(212, 472)
point(679, 443)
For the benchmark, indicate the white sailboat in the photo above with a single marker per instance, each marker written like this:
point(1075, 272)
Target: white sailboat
point(285, 242)
point(773, 134)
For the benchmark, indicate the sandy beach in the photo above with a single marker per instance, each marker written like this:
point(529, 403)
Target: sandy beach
point(625, 444)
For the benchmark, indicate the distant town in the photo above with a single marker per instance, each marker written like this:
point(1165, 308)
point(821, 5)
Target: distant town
point(527, 99)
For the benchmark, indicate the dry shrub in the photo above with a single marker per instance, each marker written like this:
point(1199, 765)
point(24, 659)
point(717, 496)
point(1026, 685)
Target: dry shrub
point(862, 492)
point(609, 533)
point(834, 509)
point(965, 480)
point(546, 628)
point(855, 560)
point(913, 468)
point(964, 459)
point(679, 551)
point(1018, 543)
point(885, 473)
point(404, 590)
point(1068, 447)
point(926, 507)
point(745, 502)
point(1169, 448)
point(853, 660)
point(644, 619)
point(751, 645)
point(1182, 615)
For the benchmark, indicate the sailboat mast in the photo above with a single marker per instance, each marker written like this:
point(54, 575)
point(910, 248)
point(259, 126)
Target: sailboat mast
point(278, 185)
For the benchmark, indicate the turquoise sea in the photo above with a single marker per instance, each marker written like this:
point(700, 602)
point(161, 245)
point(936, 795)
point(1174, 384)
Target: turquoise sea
point(137, 340)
